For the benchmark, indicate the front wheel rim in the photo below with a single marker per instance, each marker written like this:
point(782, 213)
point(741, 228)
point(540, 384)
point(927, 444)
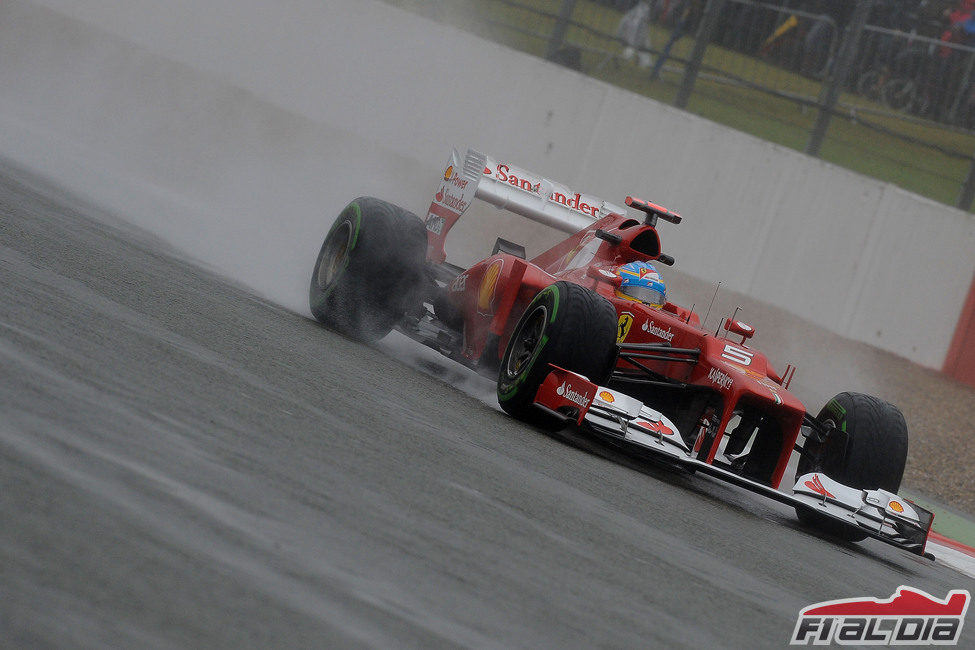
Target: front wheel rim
point(526, 342)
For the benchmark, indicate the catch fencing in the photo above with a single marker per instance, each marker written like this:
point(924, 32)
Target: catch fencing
point(914, 74)
point(880, 91)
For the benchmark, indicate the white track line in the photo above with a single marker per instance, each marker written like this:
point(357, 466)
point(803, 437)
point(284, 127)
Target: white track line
point(961, 562)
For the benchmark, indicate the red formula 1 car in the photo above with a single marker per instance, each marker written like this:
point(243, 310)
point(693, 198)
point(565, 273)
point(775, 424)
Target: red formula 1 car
point(570, 345)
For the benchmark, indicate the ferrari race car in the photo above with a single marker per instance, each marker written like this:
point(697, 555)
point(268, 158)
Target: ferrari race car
point(583, 336)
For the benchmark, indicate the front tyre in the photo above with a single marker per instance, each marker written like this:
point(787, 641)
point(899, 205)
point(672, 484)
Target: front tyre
point(370, 269)
point(867, 450)
point(567, 325)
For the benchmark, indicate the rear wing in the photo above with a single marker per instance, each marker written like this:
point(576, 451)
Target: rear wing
point(477, 176)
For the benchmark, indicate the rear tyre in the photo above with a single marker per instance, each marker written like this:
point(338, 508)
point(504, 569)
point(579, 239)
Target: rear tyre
point(370, 269)
point(871, 455)
point(567, 325)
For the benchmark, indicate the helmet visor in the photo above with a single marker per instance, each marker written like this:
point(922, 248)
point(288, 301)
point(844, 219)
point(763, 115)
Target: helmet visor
point(644, 294)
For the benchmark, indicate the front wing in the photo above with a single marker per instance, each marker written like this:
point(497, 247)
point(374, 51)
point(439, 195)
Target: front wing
point(643, 430)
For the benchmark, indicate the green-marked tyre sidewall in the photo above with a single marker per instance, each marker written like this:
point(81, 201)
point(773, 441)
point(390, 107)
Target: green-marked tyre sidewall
point(872, 454)
point(371, 269)
point(876, 452)
point(578, 333)
point(511, 389)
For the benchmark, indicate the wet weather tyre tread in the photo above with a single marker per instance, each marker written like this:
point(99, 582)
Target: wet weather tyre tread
point(579, 335)
point(873, 458)
point(370, 269)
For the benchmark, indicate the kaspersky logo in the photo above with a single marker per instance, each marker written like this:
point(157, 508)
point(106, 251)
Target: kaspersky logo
point(909, 617)
point(565, 390)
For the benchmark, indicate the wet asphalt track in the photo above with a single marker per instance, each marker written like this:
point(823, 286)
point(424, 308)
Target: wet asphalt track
point(185, 465)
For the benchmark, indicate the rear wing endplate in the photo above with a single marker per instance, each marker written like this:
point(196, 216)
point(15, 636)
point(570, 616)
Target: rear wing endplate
point(478, 176)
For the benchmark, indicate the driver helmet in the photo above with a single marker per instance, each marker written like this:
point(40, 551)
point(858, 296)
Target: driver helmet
point(642, 282)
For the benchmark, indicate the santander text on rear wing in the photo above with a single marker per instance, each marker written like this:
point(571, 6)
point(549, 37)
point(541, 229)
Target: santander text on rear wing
point(478, 176)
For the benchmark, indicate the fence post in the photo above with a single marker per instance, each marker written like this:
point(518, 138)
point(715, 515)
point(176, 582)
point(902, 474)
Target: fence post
point(712, 11)
point(830, 92)
point(967, 194)
point(561, 27)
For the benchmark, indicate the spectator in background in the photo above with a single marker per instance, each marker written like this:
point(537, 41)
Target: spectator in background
point(960, 21)
point(634, 31)
point(682, 14)
point(961, 30)
point(962, 10)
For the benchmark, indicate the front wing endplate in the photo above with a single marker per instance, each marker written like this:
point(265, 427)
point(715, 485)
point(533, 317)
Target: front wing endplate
point(643, 430)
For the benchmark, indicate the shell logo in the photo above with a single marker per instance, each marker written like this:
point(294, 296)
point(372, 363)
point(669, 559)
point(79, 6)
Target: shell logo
point(896, 506)
point(489, 285)
point(448, 173)
point(607, 396)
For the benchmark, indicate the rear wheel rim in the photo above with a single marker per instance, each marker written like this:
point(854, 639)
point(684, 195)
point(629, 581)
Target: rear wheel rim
point(335, 257)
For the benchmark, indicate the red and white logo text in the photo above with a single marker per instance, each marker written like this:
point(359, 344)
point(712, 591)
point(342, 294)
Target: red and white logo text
point(574, 396)
point(909, 617)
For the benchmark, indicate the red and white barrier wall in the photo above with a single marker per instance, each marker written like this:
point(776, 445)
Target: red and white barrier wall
point(960, 360)
point(235, 129)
